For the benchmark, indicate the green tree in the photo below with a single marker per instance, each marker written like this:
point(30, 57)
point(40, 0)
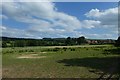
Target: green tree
point(81, 40)
point(118, 42)
point(68, 41)
point(18, 43)
point(4, 44)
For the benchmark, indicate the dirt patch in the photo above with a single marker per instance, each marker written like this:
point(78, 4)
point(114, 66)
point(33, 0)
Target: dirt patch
point(30, 56)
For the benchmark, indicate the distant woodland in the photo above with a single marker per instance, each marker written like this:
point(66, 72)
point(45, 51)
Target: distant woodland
point(23, 42)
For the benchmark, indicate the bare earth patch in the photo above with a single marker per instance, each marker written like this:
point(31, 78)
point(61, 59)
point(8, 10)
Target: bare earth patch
point(31, 56)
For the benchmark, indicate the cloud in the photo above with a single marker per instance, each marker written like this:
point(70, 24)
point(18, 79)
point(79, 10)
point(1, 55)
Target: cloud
point(101, 36)
point(68, 22)
point(90, 24)
point(44, 20)
point(2, 28)
point(28, 10)
point(107, 17)
point(3, 17)
point(13, 32)
point(41, 17)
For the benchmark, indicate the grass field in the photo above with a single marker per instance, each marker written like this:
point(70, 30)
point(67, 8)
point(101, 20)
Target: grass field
point(90, 61)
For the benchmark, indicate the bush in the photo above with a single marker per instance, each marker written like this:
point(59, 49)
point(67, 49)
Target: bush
point(9, 51)
point(73, 49)
point(56, 49)
point(31, 50)
point(21, 51)
point(64, 48)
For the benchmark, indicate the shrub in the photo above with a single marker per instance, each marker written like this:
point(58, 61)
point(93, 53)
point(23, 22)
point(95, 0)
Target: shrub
point(21, 51)
point(31, 50)
point(56, 49)
point(73, 49)
point(64, 48)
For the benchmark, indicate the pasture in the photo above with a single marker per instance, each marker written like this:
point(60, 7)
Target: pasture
point(89, 61)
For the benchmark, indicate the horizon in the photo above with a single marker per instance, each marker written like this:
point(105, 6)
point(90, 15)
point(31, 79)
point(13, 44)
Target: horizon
point(94, 20)
point(56, 38)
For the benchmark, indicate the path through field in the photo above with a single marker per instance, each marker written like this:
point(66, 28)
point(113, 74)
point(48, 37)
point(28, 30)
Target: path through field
point(75, 46)
point(32, 56)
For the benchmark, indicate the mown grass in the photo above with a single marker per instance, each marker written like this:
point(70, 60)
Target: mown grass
point(60, 62)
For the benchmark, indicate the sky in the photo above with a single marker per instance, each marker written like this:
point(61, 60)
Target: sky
point(94, 20)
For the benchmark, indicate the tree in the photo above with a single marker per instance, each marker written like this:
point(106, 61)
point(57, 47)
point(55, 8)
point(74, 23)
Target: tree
point(68, 41)
point(118, 42)
point(19, 43)
point(81, 40)
point(4, 44)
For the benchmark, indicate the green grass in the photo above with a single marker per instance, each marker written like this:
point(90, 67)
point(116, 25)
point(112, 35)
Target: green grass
point(61, 62)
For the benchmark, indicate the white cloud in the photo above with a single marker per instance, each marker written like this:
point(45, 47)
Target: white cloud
point(93, 13)
point(13, 32)
point(90, 24)
point(2, 27)
point(107, 17)
point(101, 36)
point(42, 17)
point(45, 20)
point(68, 22)
point(3, 17)
point(28, 10)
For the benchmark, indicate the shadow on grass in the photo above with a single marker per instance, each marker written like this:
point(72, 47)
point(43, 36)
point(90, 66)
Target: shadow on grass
point(112, 51)
point(109, 65)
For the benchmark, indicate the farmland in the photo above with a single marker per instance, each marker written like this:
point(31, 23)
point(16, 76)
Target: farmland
point(88, 61)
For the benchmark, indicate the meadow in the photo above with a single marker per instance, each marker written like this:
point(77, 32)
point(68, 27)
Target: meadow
point(88, 61)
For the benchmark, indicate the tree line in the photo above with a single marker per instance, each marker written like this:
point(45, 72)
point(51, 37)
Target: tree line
point(117, 44)
point(22, 42)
